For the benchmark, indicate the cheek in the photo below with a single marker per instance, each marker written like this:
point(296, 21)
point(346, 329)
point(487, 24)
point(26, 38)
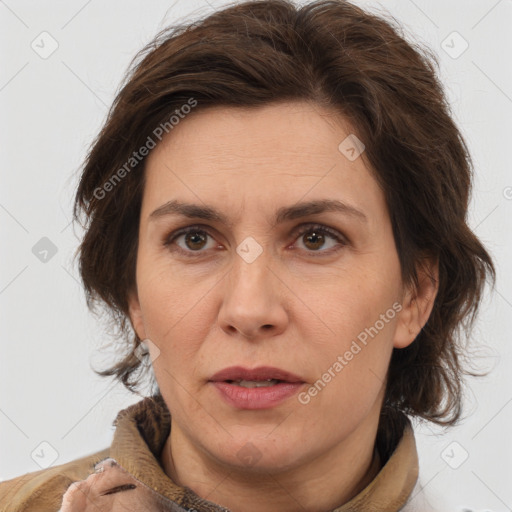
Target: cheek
point(350, 375)
point(169, 295)
point(351, 301)
point(351, 352)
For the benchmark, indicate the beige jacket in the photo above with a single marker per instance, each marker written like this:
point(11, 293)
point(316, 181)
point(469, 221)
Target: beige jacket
point(128, 475)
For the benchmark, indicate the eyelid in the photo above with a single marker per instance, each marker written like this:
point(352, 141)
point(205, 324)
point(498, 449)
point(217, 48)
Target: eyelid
point(312, 226)
point(298, 230)
point(173, 235)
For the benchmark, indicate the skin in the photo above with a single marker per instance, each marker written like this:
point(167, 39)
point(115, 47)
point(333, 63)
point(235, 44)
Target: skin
point(297, 306)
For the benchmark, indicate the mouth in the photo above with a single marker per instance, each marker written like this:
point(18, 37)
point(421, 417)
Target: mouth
point(258, 388)
point(254, 383)
point(257, 377)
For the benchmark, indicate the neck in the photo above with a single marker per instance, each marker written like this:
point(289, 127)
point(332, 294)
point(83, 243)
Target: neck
point(323, 484)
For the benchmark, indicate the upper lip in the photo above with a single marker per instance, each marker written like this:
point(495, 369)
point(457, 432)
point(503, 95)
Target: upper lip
point(237, 373)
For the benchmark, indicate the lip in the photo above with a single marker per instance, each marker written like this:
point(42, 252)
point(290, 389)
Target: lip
point(256, 398)
point(260, 373)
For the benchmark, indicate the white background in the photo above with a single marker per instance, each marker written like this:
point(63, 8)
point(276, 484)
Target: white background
point(50, 111)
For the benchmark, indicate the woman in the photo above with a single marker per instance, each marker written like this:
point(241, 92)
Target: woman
point(275, 209)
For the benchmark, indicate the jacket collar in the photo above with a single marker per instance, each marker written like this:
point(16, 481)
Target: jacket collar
point(142, 430)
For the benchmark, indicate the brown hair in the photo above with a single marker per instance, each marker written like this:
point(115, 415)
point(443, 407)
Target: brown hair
point(344, 59)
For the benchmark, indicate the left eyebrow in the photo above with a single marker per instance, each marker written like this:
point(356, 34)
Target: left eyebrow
point(283, 214)
point(315, 207)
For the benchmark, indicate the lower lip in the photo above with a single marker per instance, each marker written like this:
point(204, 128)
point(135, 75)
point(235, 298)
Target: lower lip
point(257, 398)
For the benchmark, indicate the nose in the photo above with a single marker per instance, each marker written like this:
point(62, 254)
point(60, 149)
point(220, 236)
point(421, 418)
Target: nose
point(253, 302)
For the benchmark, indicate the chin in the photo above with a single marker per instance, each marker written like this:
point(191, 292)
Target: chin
point(258, 454)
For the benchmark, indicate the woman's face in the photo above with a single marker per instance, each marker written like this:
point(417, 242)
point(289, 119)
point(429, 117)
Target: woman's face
point(269, 283)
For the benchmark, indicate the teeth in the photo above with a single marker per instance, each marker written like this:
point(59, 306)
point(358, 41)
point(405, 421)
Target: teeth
point(257, 383)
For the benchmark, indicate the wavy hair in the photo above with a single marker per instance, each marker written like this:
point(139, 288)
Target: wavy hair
point(344, 59)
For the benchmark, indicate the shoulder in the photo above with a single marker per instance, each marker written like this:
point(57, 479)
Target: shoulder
point(42, 490)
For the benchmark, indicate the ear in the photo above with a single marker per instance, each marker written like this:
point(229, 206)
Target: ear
point(136, 314)
point(417, 303)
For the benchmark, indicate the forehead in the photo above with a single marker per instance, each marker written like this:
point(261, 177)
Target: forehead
point(276, 131)
point(240, 157)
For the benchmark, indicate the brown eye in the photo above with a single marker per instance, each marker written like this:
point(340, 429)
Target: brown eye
point(314, 240)
point(320, 239)
point(191, 241)
point(195, 240)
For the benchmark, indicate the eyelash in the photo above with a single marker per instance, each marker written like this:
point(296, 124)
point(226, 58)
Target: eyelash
point(311, 227)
